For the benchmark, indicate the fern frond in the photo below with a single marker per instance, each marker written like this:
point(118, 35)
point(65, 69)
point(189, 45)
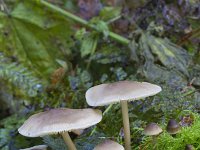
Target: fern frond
point(19, 76)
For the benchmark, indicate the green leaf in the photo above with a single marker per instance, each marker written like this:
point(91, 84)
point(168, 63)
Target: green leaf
point(169, 54)
point(34, 49)
point(88, 45)
point(100, 26)
point(80, 34)
point(24, 38)
point(145, 49)
point(36, 17)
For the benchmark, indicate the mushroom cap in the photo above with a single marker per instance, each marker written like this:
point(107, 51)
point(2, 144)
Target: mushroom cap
point(59, 120)
point(173, 127)
point(189, 147)
point(105, 94)
point(38, 147)
point(152, 129)
point(109, 145)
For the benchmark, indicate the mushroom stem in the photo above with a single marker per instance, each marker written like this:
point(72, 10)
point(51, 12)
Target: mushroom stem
point(154, 138)
point(125, 117)
point(68, 141)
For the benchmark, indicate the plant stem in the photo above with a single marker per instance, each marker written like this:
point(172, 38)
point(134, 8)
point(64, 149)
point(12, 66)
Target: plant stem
point(104, 113)
point(68, 141)
point(113, 19)
point(82, 21)
point(125, 117)
point(107, 109)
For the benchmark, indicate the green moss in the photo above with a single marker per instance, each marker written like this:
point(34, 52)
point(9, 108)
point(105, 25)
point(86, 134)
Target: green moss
point(188, 135)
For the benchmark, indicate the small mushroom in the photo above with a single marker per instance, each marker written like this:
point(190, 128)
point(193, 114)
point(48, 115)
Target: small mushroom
point(189, 147)
point(173, 127)
point(153, 130)
point(38, 147)
point(122, 92)
point(109, 145)
point(60, 120)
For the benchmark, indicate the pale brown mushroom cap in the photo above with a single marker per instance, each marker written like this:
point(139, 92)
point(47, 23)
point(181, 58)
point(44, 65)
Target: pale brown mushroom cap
point(109, 145)
point(105, 94)
point(38, 147)
point(152, 129)
point(59, 120)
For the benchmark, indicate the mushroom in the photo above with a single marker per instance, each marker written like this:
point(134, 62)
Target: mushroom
point(38, 147)
point(109, 145)
point(189, 147)
point(173, 127)
point(153, 130)
point(60, 120)
point(122, 92)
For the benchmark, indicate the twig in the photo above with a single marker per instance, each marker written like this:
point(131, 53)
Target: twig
point(113, 35)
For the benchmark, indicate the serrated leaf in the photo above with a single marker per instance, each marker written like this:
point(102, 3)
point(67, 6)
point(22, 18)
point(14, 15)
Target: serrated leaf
point(26, 13)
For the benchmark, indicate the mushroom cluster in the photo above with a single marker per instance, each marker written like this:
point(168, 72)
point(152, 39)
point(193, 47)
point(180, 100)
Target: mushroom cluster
point(63, 120)
point(121, 92)
point(60, 121)
point(173, 128)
